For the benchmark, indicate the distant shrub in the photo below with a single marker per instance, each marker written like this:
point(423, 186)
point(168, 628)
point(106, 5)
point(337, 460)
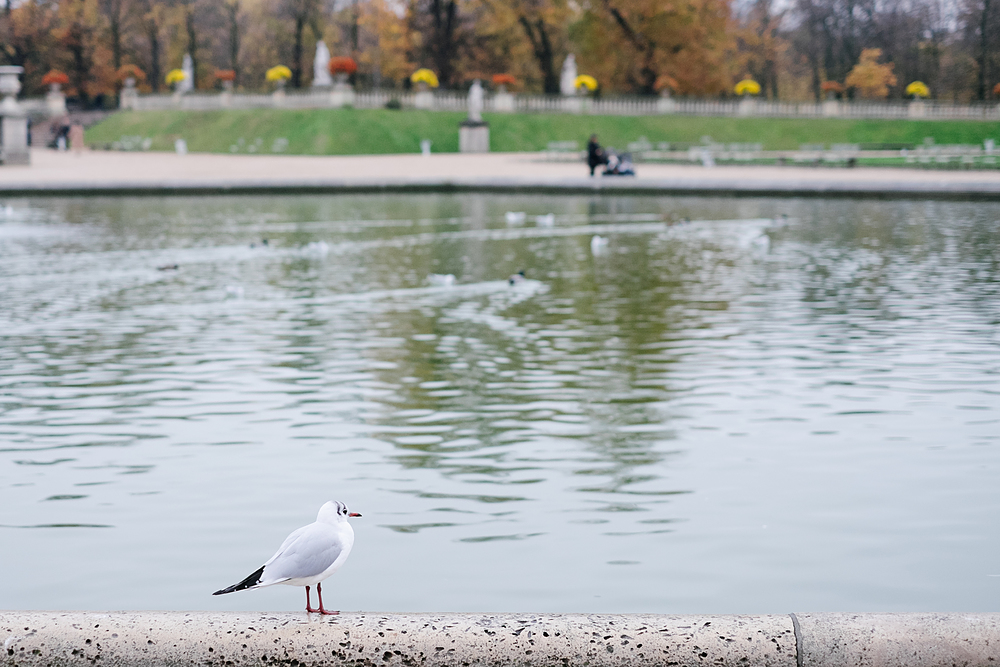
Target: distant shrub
point(394, 104)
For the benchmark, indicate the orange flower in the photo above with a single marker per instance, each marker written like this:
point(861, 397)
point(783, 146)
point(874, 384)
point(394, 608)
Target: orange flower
point(55, 76)
point(342, 65)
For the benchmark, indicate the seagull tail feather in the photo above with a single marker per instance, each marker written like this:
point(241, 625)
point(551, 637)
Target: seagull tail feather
point(249, 582)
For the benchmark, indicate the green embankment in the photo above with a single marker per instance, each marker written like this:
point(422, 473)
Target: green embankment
point(354, 131)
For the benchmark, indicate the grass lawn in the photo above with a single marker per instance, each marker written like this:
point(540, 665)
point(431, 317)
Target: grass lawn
point(372, 131)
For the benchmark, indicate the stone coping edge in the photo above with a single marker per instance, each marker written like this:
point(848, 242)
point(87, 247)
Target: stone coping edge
point(832, 189)
point(137, 639)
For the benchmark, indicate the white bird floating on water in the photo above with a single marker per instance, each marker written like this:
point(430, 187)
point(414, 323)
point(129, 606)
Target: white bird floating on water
point(307, 556)
point(318, 249)
point(441, 279)
point(598, 244)
point(515, 217)
point(547, 220)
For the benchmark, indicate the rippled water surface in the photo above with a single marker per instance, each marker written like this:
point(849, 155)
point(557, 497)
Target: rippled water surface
point(734, 406)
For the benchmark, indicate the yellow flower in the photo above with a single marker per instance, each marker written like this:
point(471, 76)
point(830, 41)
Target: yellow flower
point(585, 81)
point(747, 87)
point(918, 89)
point(175, 76)
point(424, 75)
point(278, 73)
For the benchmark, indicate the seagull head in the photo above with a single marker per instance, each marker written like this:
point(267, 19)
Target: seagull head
point(334, 511)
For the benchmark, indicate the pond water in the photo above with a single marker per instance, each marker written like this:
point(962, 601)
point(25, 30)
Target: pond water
point(734, 406)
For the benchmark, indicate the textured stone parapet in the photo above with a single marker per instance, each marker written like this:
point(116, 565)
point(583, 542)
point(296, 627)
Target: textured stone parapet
point(202, 638)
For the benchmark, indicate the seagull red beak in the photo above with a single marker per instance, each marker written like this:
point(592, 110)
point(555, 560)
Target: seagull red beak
point(353, 514)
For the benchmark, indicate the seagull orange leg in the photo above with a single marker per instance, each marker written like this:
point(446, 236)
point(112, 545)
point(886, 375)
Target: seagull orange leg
point(309, 604)
point(319, 593)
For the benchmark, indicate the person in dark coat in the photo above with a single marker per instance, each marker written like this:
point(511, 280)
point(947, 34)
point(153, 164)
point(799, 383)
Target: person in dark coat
point(595, 154)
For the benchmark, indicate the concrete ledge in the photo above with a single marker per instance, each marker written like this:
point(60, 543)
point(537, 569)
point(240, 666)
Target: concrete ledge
point(124, 173)
point(202, 638)
point(964, 191)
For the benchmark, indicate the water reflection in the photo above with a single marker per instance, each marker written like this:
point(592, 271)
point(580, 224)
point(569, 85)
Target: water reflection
point(756, 405)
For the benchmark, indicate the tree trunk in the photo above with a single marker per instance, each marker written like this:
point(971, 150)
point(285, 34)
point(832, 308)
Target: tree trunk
point(233, 8)
point(444, 33)
point(300, 25)
point(981, 61)
point(542, 47)
point(192, 35)
point(115, 28)
point(153, 35)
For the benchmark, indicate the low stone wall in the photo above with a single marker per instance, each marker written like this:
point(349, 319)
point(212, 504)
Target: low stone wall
point(627, 640)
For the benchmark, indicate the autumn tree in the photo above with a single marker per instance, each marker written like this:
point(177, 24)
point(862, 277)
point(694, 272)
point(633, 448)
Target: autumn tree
point(871, 78)
point(760, 45)
point(27, 40)
point(119, 16)
point(544, 26)
point(149, 40)
point(384, 44)
point(76, 32)
point(632, 43)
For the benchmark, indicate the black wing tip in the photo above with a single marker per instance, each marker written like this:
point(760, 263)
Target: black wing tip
point(250, 581)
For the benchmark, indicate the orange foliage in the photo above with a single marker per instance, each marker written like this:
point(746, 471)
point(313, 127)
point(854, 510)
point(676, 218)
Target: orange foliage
point(871, 78)
point(631, 43)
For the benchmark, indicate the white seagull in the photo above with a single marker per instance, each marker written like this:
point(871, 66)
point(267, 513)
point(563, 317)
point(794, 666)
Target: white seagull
point(307, 556)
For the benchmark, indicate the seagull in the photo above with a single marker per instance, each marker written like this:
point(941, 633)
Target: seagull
point(307, 556)
point(545, 220)
point(598, 244)
point(515, 217)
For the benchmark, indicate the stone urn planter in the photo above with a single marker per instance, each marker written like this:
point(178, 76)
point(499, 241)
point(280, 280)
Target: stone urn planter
point(342, 93)
point(10, 86)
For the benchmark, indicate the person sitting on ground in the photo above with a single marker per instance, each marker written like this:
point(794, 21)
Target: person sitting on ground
point(595, 154)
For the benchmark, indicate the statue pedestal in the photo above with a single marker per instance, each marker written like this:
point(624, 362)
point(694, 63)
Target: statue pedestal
point(473, 137)
point(14, 137)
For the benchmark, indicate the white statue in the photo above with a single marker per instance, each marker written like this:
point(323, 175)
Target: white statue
point(476, 102)
point(567, 81)
point(187, 67)
point(321, 71)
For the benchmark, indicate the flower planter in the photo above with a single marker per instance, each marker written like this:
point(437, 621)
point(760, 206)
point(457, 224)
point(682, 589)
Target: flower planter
point(55, 100)
point(503, 101)
point(665, 103)
point(10, 86)
point(424, 99)
point(342, 93)
point(129, 98)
